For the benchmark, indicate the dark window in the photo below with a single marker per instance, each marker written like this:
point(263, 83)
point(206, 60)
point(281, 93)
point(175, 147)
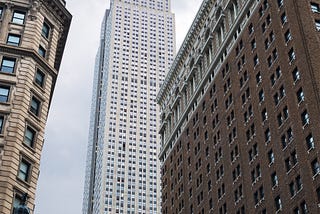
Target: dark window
point(295, 74)
point(1, 12)
point(1, 123)
point(18, 17)
point(288, 36)
point(29, 136)
point(4, 93)
point(39, 78)
point(315, 167)
point(315, 7)
point(45, 30)
point(24, 170)
point(13, 39)
point(291, 55)
point(310, 141)
point(284, 18)
point(305, 118)
point(280, 3)
point(42, 51)
point(35, 106)
point(278, 203)
point(7, 65)
point(317, 21)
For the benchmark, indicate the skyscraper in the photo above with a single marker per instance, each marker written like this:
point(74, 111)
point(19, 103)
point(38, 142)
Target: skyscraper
point(33, 35)
point(137, 47)
point(240, 111)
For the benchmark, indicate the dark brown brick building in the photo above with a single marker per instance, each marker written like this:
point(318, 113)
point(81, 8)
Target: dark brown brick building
point(240, 111)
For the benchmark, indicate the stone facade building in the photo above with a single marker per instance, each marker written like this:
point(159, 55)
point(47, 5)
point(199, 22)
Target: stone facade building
point(240, 111)
point(32, 39)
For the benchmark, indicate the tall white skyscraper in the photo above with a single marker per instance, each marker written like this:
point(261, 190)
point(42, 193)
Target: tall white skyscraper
point(137, 48)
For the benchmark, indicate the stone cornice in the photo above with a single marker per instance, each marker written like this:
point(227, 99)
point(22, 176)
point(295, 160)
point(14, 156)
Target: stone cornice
point(182, 51)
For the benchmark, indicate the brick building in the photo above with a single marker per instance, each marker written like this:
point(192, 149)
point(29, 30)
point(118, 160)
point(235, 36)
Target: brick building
point(240, 111)
point(32, 38)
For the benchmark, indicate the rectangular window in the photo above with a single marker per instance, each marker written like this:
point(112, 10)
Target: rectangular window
point(45, 30)
point(29, 137)
point(305, 118)
point(310, 142)
point(39, 78)
point(7, 65)
point(287, 36)
point(317, 24)
point(315, 167)
point(35, 106)
point(1, 12)
point(24, 170)
point(4, 93)
point(315, 7)
point(291, 55)
point(42, 51)
point(18, 17)
point(13, 39)
point(1, 123)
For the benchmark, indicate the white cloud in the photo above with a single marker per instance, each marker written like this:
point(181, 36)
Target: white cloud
point(60, 185)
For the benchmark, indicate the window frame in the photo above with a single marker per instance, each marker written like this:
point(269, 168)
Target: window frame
point(42, 51)
point(47, 26)
point(7, 97)
point(25, 177)
point(35, 111)
point(13, 36)
point(7, 68)
point(18, 20)
point(37, 81)
point(26, 140)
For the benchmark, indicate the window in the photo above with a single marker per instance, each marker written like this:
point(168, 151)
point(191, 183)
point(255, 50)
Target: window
point(264, 115)
point(255, 60)
point(305, 118)
point(300, 95)
point(1, 123)
point(267, 135)
point(310, 142)
point(261, 96)
point(4, 93)
point(39, 78)
point(29, 137)
point(295, 74)
point(18, 17)
point(45, 30)
point(24, 170)
point(13, 39)
point(280, 3)
point(42, 51)
point(274, 179)
point(283, 18)
point(315, 7)
point(277, 203)
point(258, 78)
point(271, 157)
point(35, 106)
point(287, 36)
point(250, 28)
point(1, 12)
point(315, 167)
point(7, 65)
point(317, 24)
point(253, 44)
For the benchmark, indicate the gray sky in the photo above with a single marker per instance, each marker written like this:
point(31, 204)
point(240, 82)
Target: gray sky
point(60, 185)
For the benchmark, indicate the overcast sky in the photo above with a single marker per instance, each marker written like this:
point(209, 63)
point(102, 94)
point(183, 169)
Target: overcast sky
point(60, 186)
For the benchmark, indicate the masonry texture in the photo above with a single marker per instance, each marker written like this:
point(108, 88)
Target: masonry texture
point(32, 39)
point(240, 111)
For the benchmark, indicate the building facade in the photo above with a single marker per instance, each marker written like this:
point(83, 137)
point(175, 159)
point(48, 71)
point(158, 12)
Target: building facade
point(32, 39)
point(240, 111)
point(136, 48)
